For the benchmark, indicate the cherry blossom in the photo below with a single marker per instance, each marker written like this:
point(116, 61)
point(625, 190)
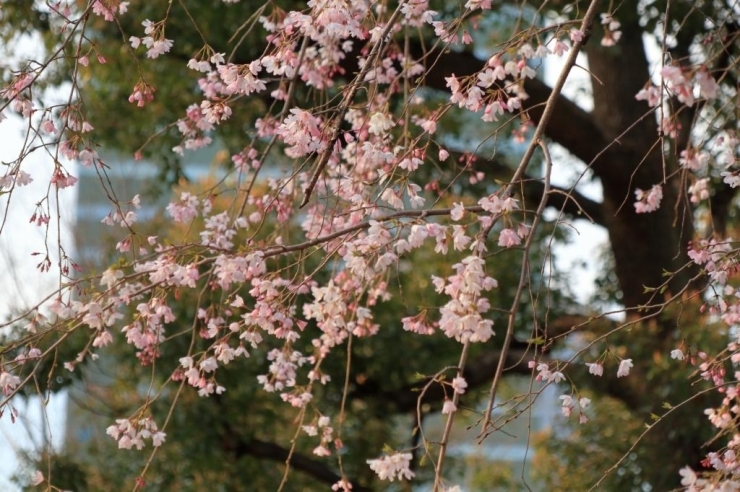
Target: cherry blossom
point(461, 316)
point(699, 190)
point(567, 405)
point(508, 238)
point(624, 368)
point(302, 131)
point(38, 478)
point(448, 407)
point(612, 34)
point(648, 201)
point(459, 385)
point(109, 8)
point(130, 434)
point(651, 94)
point(395, 466)
point(595, 368)
point(677, 354)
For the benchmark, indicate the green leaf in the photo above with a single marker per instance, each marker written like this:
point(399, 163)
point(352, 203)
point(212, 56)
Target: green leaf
point(536, 341)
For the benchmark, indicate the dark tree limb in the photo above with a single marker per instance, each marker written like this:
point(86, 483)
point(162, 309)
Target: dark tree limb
point(570, 126)
point(298, 461)
point(478, 372)
point(721, 204)
point(480, 369)
point(564, 200)
point(568, 201)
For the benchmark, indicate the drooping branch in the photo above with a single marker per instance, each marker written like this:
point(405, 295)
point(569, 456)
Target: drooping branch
point(563, 200)
point(480, 369)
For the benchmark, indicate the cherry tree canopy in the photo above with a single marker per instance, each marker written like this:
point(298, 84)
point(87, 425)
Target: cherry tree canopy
point(380, 233)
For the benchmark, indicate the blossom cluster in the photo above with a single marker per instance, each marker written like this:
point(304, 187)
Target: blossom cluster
point(133, 433)
point(395, 466)
point(569, 404)
point(327, 432)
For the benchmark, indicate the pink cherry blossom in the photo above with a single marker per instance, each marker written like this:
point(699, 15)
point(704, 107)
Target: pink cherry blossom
point(448, 407)
point(508, 238)
point(648, 201)
point(459, 384)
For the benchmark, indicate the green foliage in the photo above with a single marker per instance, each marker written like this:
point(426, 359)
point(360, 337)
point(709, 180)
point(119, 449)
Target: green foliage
point(591, 450)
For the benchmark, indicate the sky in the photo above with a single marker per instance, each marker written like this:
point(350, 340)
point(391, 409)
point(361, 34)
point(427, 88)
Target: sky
point(22, 286)
point(584, 237)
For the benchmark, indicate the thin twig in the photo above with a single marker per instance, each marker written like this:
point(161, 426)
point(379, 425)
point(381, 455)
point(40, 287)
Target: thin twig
point(344, 106)
point(524, 275)
point(519, 174)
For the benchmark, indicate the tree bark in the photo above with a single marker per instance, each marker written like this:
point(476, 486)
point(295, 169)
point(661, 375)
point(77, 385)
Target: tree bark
point(649, 249)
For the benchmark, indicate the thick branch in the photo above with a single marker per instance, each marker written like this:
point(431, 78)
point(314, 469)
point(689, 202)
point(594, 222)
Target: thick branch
point(569, 126)
point(721, 203)
point(477, 372)
point(568, 201)
point(271, 451)
point(645, 245)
